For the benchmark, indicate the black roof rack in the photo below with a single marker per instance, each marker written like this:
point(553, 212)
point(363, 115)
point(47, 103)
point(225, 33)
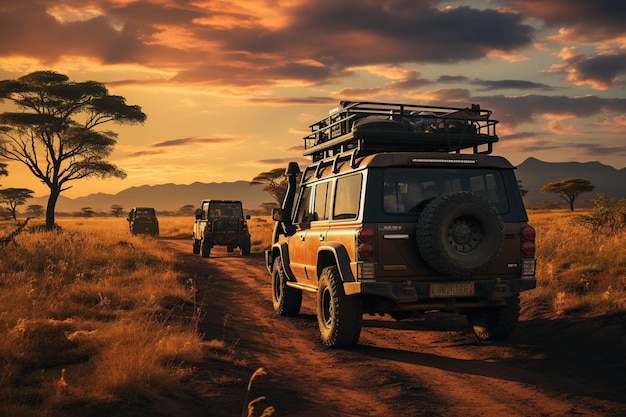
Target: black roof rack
point(371, 127)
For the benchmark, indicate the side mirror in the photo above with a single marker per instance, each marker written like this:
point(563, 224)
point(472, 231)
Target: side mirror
point(247, 217)
point(277, 214)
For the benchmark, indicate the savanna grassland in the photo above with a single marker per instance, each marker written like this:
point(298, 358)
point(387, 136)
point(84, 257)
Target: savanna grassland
point(92, 316)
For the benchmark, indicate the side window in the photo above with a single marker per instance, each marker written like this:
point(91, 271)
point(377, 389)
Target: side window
point(320, 207)
point(347, 197)
point(302, 212)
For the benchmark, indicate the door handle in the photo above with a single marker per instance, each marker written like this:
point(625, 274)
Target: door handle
point(302, 237)
point(322, 238)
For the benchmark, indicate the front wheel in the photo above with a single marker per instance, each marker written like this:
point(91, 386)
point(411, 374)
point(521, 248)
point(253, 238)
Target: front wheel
point(286, 300)
point(495, 323)
point(339, 316)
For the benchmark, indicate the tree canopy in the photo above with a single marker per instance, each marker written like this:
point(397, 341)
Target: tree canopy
point(14, 197)
point(117, 210)
point(274, 182)
point(55, 134)
point(569, 189)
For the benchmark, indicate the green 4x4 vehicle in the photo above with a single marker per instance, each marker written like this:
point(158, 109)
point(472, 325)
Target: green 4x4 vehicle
point(220, 222)
point(143, 220)
point(402, 210)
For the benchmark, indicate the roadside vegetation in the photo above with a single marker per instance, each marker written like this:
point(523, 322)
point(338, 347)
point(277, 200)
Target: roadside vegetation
point(581, 262)
point(92, 316)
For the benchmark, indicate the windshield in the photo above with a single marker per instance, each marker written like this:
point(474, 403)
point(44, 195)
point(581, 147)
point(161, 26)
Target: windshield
point(406, 188)
point(144, 212)
point(228, 210)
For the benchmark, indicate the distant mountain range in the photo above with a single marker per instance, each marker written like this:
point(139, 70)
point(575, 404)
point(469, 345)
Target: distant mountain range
point(533, 173)
point(164, 197)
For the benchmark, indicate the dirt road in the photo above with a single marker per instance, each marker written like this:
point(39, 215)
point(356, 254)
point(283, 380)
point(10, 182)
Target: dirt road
point(431, 366)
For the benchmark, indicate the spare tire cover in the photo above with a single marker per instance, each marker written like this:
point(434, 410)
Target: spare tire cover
point(460, 234)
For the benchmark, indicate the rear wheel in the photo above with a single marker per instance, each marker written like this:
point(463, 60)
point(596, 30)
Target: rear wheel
point(495, 323)
point(245, 245)
point(196, 246)
point(205, 248)
point(339, 316)
point(286, 300)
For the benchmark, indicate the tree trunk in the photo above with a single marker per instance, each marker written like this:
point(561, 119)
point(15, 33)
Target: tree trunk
point(52, 202)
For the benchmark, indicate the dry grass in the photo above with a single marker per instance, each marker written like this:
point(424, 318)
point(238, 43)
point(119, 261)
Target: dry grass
point(578, 272)
point(89, 316)
point(89, 312)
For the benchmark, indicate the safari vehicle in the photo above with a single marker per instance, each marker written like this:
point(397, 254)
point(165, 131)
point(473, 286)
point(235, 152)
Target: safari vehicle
point(403, 210)
point(220, 222)
point(143, 220)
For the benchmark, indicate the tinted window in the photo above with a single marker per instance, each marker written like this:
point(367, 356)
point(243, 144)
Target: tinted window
point(406, 188)
point(347, 197)
point(320, 206)
point(302, 211)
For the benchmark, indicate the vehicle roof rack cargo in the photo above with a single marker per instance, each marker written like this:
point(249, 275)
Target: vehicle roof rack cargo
point(371, 127)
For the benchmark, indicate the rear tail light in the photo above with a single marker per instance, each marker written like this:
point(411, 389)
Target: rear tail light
point(245, 225)
point(209, 227)
point(528, 242)
point(365, 244)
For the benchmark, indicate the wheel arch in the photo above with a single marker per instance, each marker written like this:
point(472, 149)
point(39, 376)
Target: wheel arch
point(335, 254)
point(283, 251)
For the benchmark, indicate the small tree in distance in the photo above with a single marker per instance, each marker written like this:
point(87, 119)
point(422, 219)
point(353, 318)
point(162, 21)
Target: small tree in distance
point(54, 132)
point(117, 210)
point(35, 210)
point(187, 210)
point(569, 189)
point(14, 197)
point(87, 212)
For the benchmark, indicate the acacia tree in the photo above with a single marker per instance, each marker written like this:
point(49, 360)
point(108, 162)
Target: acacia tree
point(569, 189)
point(54, 133)
point(36, 210)
point(14, 197)
point(274, 182)
point(117, 210)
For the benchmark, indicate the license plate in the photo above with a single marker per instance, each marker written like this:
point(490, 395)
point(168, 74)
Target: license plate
point(452, 290)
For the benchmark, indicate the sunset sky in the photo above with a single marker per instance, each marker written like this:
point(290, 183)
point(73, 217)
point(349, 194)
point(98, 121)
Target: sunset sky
point(230, 87)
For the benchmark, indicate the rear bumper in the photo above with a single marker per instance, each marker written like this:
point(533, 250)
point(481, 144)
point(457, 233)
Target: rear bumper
point(221, 239)
point(416, 295)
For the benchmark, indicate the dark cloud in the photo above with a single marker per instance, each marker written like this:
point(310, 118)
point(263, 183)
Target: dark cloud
point(146, 153)
point(510, 84)
point(602, 71)
point(288, 101)
point(523, 109)
point(193, 141)
point(585, 20)
point(597, 149)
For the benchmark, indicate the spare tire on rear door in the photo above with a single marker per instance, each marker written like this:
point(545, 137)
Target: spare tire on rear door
point(460, 234)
